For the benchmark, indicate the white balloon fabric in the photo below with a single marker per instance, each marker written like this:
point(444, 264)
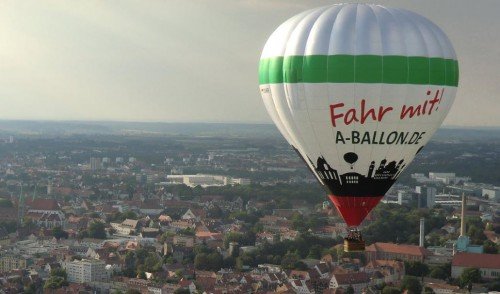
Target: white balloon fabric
point(358, 90)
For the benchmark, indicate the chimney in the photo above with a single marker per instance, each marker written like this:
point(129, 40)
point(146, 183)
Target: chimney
point(422, 232)
point(462, 217)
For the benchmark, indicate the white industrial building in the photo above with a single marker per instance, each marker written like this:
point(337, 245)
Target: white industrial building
point(448, 178)
point(205, 180)
point(492, 194)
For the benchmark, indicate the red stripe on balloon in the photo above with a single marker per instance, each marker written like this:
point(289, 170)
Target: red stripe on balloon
point(354, 209)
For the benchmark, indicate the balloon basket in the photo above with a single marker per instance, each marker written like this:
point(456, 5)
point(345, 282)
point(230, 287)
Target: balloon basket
point(354, 242)
point(354, 245)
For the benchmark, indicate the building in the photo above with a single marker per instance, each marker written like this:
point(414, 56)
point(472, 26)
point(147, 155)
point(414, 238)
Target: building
point(45, 213)
point(86, 271)
point(240, 181)
point(205, 180)
point(448, 178)
point(125, 228)
point(392, 270)
point(427, 196)
point(10, 261)
point(390, 251)
point(95, 163)
point(488, 264)
point(405, 197)
point(358, 281)
point(442, 287)
point(197, 180)
point(492, 194)
point(184, 241)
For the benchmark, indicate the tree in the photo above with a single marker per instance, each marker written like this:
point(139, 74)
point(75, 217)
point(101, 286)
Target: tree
point(314, 252)
point(391, 290)
point(59, 272)
point(416, 268)
point(208, 261)
point(494, 286)
point(411, 284)
point(59, 233)
point(349, 290)
point(201, 261)
point(215, 261)
point(215, 212)
point(58, 278)
point(469, 276)
point(490, 247)
point(229, 262)
point(438, 273)
point(5, 203)
point(97, 230)
point(182, 291)
point(428, 290)
point(55, 282)
point(289, 260)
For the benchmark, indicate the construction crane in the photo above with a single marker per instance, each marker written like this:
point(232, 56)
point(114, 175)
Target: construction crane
point(20, 207)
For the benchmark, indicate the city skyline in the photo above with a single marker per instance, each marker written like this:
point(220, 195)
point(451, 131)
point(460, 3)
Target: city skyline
point(194, 61)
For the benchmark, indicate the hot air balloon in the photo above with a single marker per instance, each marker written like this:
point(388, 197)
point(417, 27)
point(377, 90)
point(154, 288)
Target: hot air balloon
point(357, 90)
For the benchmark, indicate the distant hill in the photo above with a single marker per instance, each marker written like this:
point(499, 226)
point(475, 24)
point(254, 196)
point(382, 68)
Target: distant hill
point(135, 128)
point(58, 128)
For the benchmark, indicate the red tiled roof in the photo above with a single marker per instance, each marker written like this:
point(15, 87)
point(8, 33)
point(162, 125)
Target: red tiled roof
point(398, 248)
point(42, 204)
point(475, 260)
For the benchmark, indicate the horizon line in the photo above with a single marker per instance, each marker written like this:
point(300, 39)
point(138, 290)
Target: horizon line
point(199, 122)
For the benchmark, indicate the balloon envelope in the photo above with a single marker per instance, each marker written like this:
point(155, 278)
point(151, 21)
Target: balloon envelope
point(358, 90)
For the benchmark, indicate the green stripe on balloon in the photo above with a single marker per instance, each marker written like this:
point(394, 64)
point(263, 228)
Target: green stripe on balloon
point(359, 69)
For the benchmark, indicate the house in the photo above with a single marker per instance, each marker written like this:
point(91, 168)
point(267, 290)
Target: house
point(265, 237)
point(488, 264)
point(149, 232)
point(390, 251)
point(300, 275)
point(392, 270)
point(288, 234)
point(302, 287)
point(357, 280)
point(187, 284)
point(99, 253)
point(323, 270)
point(126, 227)
point(151, 208)
point(193, 214)
point(442, 287)
point(206, 283)
point(182, 225)
point(185, 241)
point(45, 213)
point(331, 232)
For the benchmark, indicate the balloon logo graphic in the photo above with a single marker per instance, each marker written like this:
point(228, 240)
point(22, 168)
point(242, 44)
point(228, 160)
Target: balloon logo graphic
point(351, 158)
point(357, 90)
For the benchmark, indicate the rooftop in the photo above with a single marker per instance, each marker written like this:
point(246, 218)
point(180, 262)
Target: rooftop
point(398, 249)
point(476, 260)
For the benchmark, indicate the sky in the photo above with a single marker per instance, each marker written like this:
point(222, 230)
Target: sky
point(196, 60)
